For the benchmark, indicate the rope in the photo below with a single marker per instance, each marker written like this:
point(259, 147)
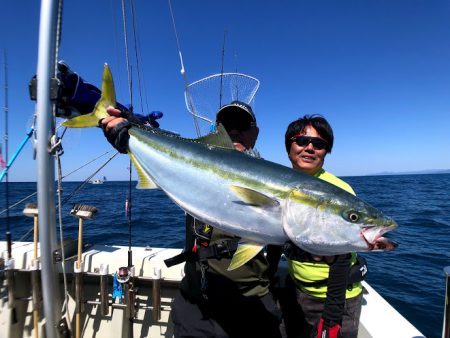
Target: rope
point(34, 193)
point(67, 199)
point(22, 200)
point(95, 159)
point(88, 179)
point(57, 150)
point(58, 33)
point(183, 72)
point(65, 308)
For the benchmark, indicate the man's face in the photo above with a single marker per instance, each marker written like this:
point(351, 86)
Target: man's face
point(307, 158)
point(241, 128)
point(244, 139)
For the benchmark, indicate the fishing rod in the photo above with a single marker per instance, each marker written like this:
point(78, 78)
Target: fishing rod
point(4, 173)
point(183, 73)
point(9, 263)
point(129, 273)
point(221, 71)
point(8, 228)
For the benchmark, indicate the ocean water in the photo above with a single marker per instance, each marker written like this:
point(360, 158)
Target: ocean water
point(411, 278)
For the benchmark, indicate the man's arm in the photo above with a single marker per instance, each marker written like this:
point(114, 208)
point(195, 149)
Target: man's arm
point(329, 325)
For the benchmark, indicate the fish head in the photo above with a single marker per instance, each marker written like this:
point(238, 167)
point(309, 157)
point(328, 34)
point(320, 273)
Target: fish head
point(324, 223)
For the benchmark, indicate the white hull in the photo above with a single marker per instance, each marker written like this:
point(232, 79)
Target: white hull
point(96, 182)
point(378, 318)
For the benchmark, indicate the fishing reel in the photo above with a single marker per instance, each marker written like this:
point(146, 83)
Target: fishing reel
point(124, 274)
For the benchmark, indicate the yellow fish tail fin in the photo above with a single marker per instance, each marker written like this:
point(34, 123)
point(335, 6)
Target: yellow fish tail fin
point(108, 98)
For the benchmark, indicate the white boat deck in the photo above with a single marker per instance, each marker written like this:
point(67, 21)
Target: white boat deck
point(378, 318)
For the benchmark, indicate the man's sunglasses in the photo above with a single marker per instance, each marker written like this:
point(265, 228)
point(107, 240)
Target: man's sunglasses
point(241, 124)
point(317, 142)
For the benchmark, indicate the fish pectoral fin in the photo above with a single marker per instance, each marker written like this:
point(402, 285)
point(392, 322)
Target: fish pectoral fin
point(108, 98)
point(219, 138)
point(144, 181)
point(253, 197)
point(244, 253)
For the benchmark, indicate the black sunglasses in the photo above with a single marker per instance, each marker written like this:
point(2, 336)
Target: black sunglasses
point(317, 142)
point(238, 124)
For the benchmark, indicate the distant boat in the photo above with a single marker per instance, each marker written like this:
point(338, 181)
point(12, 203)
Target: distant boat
point(98, 180)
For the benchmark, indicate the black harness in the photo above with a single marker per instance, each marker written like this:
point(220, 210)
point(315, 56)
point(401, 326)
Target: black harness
point(224, 248)
point(202, 250)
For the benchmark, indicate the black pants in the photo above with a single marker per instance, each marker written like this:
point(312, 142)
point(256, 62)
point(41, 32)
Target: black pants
point(302, 312)
point(230, 317)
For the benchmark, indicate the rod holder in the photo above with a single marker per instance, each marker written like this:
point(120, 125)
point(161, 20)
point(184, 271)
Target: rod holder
point(130, 298)
point(104, 295)
point(79, 288)
point(156, 294)
point(35, 283)
point(2, 270)
point(9, 272)
point(446, 326)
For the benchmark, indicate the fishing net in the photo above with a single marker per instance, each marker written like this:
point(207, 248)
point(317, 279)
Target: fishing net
point(204, 97)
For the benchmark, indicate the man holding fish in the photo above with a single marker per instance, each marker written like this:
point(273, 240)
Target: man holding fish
point(214, 301)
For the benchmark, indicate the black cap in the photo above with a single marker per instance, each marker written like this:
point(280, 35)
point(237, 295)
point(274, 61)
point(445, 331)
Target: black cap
point(234, 109)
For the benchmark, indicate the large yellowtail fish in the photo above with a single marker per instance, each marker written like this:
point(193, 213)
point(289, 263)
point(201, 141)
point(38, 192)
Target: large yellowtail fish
point(259, 201)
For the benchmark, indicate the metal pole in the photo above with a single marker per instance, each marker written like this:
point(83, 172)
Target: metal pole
point(446, 326)
point(45, 163)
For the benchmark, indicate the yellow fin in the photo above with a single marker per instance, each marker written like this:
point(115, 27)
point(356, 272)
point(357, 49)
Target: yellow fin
point(219, 138)
point(244, 253)
point(108, 98)
point(144, 181)
point(253, 197)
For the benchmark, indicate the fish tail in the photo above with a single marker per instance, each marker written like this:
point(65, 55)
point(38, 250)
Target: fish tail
point(108, 98)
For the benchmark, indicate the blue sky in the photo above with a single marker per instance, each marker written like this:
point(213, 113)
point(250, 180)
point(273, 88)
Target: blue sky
point(378, 70)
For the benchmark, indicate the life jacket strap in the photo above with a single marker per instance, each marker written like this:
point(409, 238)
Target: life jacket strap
point(218, 250)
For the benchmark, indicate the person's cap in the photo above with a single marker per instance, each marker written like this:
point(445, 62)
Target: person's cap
point(236, 110)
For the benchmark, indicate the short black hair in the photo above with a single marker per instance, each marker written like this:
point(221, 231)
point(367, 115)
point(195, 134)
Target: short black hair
point(318, 122)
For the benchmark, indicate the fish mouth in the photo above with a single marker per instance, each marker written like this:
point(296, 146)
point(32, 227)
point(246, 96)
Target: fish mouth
point(373, 236)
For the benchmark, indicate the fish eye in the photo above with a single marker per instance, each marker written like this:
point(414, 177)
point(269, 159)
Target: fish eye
point(352, 216)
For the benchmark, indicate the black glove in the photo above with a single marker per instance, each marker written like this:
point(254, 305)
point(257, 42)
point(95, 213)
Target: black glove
point(323, 329)
point(118, 136)
point(358, 271)
point(77, 95)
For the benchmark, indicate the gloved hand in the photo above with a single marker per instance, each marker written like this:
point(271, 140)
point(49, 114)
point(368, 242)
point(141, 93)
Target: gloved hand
point(358, 271)
point(77, 95)
point(118, 136)
point(325, 330)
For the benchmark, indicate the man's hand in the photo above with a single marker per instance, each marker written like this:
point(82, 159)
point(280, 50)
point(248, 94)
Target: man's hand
point(324, 330)
point(115, 129)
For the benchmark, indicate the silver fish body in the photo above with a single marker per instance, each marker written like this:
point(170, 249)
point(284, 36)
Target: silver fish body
point(258, 200)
